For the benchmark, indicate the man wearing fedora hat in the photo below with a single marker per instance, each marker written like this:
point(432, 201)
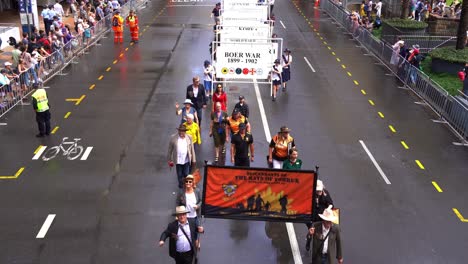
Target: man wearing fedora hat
point(280, 145)
point(326, 235)
point(183, 237)
point(181, 153)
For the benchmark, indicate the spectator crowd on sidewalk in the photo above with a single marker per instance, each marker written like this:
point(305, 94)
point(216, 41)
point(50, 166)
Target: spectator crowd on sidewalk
point(40, 52)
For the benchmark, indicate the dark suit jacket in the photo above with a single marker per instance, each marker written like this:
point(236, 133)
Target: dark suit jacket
point(200, 100)
point(171, 232)
point(334, 244)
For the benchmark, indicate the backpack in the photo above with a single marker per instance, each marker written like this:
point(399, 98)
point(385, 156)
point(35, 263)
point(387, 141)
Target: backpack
point(115, 22)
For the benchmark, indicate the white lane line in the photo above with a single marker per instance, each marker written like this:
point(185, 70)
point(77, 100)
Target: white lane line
point(39, 152)
point(45, 227)
point(310, 65)
point(282, 24)
point(289, 226)
point(86, 153)
point(3, 124)
point(375, 162)
point(262, 112)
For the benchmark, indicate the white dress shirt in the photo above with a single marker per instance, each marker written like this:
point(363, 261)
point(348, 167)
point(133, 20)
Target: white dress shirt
point(325, 243)
point(190, 202)
point(182, 243)
point(182, 151)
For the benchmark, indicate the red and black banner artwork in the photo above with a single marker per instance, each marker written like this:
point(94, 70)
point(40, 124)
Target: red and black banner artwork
point(258, 194)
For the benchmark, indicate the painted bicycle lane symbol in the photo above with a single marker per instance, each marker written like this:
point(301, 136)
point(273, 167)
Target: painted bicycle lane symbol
point(68, 148)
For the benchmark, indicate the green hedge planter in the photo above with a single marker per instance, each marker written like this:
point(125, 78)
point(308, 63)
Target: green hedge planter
point(392, 28)
point(448, 60)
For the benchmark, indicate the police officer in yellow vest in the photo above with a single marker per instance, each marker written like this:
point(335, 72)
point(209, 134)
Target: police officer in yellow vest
point(41, 106)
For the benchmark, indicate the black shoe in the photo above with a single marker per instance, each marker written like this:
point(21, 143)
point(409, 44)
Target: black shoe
point(40, 135)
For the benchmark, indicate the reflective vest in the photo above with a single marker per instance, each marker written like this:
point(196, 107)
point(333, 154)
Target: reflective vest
point(282, 146)
point(234, 124)
point(131, 20)
point(41, 99)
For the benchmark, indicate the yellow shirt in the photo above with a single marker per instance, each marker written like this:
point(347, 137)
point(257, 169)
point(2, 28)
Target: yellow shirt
point(194, 131)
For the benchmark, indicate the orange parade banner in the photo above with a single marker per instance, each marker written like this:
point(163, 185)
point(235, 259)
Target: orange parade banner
point(258, 194)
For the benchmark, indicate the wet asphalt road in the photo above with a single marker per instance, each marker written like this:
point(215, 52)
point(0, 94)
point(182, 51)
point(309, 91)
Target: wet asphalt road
point(112, 207)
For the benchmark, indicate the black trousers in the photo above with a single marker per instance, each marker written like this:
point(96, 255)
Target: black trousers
point(184, 258)
point(43, 122)
point(242, 162)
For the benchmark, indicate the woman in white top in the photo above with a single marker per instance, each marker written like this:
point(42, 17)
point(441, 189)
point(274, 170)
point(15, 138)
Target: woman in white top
point(190, 197)
point(208, 77)
point(276, 78)
point(286, 74)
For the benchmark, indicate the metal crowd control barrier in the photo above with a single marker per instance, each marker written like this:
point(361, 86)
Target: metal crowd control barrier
point(450, 110)
point(20, 87)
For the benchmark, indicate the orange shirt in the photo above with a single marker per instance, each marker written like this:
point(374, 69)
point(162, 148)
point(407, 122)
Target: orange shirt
point(234, 124)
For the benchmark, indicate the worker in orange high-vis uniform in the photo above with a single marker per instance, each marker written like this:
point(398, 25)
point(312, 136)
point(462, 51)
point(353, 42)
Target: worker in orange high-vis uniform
point(132, 22)
point(117, 27)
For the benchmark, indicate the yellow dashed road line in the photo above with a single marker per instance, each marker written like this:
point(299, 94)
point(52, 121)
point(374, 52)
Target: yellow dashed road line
point(437, 187)
point(420, 165)
point(349, 74)
point(108, 69)
point(363, 92)
point(115, 61)
point(38, 148)
point(54, 130)
point(381, 115)
point(92, 86)
point(101, 77)
point(459, 215)
point(371, 102)
point(403, 143)
point(356, 82)
point(67, 115)
point(392, 128)
point(343, 66)
point(17, 174)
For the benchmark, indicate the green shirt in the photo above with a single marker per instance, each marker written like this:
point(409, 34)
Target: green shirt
point(287, 165)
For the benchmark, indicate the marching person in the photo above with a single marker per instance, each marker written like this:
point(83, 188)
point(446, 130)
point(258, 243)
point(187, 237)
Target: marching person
point(233, 123)
point(243, 106)
point(241, 144)
point(117, 27)
point(326, 235)
point(41, 106)
point(220, 96)
point(293, 163)
point(208, 73)
point(217, 129)
point(193, 130)
point(191, 198)
point(276, 78)
point(188, 109)
point(181, 153)
point(196, 93)
point(280, 145)
point(286, 74)
point(132, 22)
point(183, 237)
point(322, 200)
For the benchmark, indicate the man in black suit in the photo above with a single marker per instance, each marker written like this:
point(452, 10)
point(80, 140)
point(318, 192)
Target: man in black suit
point(183, 237)
point(196, 93)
